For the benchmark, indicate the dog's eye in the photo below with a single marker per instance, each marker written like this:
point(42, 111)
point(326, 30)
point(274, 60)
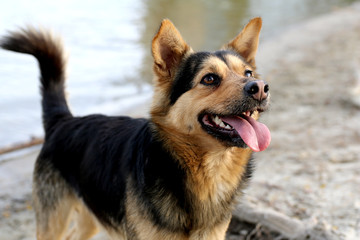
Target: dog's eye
point(210, 79)
point(248, 73)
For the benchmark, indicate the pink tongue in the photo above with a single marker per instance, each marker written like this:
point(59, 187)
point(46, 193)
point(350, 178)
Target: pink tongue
point(255, 134)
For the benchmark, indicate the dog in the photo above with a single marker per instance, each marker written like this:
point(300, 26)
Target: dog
point(176, 175)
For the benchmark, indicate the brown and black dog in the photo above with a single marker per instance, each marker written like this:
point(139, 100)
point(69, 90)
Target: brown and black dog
point(173, 176)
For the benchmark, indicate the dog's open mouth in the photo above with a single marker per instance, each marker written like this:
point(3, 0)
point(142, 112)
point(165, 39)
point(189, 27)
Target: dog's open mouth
point(238, 130)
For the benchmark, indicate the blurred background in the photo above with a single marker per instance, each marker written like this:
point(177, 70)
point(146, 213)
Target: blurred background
point(109, 69)
point(309, 53)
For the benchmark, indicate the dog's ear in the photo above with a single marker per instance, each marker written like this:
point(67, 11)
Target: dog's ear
point(246, 43)
point(168, 49)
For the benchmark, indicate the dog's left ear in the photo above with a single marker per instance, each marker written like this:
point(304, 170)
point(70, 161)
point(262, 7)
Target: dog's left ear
point(246, 43)
point(168, 49)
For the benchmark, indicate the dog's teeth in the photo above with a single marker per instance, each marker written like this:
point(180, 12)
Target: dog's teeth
point(217, 120)
point(228, 127)
point(247, 113)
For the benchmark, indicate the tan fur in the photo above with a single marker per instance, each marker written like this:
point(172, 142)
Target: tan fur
point(52, 224)
point(145, 228)
point(209, 160)
point(246, 43)
point(168, 49)
point(215, 170)
point(84, 224)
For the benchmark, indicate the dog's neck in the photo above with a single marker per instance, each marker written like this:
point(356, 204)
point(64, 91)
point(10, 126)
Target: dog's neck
point(214, 170)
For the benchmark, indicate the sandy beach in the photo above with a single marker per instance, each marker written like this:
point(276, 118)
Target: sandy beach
point(310, 175)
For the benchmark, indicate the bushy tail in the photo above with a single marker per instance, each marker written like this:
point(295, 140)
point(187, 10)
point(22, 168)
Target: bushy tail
point(49, 53)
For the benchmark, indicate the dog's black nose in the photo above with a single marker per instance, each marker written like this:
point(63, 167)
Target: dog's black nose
point(259, 89)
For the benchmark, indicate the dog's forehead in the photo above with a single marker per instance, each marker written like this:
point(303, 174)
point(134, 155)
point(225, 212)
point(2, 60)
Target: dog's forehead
point(232, 60)
point(236, 63)
point(199, 60)
point(229, 56)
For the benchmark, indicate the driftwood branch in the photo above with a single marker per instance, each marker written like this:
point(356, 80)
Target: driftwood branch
point(288, 227)
point(32, 142)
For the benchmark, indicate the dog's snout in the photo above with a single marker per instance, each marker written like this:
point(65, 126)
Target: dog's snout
point(259, 89)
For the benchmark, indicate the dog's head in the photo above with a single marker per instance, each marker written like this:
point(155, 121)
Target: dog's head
point(210, 97)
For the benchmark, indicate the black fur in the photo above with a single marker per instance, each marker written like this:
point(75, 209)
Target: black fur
point(186, 73)
point(96, 154)
point(84, 150)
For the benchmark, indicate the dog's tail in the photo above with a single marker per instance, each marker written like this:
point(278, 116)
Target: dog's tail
point(48, 51)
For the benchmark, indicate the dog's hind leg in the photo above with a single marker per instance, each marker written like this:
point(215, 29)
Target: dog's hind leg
point(52, 222)
point(53, 202)
point(84, 224)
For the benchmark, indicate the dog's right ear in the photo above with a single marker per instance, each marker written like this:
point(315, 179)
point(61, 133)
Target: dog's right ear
point(168, 49)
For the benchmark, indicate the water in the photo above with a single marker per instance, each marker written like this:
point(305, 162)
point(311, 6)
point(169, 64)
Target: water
point(109, 41)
